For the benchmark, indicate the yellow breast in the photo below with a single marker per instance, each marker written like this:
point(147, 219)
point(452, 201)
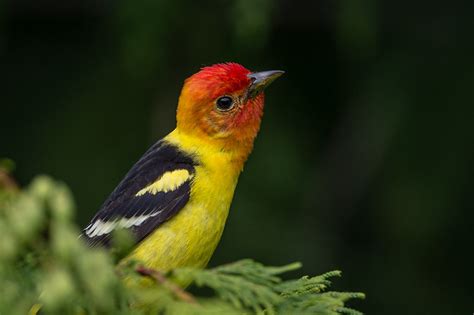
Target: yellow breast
point(191, 236)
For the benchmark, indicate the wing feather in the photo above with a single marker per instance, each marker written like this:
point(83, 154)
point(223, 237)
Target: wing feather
point(143, 213)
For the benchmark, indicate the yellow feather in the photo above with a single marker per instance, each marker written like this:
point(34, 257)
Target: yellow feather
point(191, 236)
point(168, 182)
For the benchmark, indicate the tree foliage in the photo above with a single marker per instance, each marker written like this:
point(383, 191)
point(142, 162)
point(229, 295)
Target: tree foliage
point(44, 265)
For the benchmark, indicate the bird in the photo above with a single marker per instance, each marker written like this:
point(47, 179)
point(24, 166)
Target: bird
point(175, 200)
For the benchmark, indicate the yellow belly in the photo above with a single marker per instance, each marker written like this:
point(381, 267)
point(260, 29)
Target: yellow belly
point(190, 237)
point(187, 240)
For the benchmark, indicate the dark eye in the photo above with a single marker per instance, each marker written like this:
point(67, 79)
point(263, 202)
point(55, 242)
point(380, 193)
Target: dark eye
point(225, 103)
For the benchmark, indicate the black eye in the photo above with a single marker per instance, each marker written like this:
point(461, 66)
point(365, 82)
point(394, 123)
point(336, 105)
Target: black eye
point(225, 103)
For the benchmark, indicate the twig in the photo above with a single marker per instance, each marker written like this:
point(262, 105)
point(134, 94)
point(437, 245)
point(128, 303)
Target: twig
point(7, 182)
point(160, 278)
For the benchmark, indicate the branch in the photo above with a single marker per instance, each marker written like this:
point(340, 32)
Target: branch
point(160, 278)
point(7, 182)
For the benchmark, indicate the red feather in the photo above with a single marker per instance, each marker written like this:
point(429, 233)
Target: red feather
point(220, 79)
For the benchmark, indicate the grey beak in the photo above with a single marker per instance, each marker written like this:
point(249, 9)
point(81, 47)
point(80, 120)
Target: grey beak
point(260, 80)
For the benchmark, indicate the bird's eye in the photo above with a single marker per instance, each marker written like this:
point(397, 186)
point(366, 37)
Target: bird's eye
point(225, 103)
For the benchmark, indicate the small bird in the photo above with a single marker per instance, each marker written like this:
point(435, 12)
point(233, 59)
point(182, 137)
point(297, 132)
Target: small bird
point(176, 198)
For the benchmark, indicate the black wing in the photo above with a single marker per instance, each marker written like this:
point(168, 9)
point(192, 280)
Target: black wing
point(141, 213)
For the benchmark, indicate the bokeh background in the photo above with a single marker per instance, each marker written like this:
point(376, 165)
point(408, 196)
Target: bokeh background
point(365, 160)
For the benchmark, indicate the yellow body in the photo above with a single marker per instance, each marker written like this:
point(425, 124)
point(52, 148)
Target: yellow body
point(190, 237)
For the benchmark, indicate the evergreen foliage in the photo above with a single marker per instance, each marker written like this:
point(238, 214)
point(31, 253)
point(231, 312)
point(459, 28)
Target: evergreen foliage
point(44, 265)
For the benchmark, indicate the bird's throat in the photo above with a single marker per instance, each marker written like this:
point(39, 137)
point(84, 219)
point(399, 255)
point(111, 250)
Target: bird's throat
point(223, 152)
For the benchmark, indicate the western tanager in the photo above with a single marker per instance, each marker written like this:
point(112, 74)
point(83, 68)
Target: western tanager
point(176, 198)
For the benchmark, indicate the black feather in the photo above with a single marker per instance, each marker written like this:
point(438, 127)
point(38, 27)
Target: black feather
point(162, 157)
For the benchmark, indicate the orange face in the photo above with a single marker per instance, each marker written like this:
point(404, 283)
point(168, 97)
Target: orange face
point(224, 102)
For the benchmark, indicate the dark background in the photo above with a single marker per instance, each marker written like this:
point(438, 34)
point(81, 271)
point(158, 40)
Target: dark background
point(365, 160)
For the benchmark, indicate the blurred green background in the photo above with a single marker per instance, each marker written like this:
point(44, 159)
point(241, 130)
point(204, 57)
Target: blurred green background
point(365, 160)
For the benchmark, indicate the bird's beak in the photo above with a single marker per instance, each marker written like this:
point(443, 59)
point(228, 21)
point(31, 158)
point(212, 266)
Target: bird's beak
point(260, 80)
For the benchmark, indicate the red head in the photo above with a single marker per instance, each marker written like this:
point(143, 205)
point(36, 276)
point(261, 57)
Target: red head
point(224, 104)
